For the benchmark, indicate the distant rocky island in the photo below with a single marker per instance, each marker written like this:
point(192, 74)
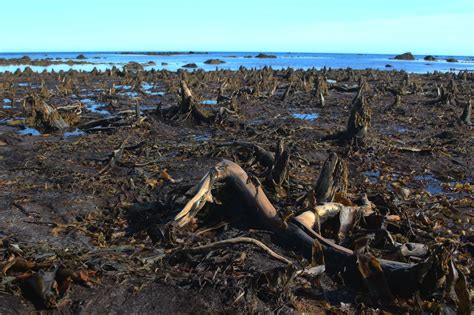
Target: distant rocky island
point(161, 53)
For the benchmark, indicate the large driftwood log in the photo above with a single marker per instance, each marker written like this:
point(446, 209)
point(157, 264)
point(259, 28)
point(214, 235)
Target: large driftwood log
point(402, 278)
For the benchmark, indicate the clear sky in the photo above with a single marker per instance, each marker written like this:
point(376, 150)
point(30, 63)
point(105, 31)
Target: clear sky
point(351, 26)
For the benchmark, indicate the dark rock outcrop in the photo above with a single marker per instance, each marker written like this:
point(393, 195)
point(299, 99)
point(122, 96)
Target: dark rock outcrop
point(190, 65)
point(263, 56)
point(133, 67)
point(405, 56)
point(429, 58)
point(214, 62)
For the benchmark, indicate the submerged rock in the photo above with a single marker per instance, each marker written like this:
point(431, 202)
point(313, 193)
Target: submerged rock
point(405, 56)
point(214, 62)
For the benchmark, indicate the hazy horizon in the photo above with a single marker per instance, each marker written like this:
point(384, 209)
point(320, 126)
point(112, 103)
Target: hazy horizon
point(367, 27)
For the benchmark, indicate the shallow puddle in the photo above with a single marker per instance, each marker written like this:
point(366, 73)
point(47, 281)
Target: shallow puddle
point(308, 117)
point(148, 88)
point(156, 93)
point(130, 93)
point(148, 107)
point(202, 137)
point(95, 107)
point(87, 92)
point(123, 87)
point(74, 133)
point(395, 130)
point(435, 186)
point(209, 102)
point(28, 131)
point(431, 184)
point(373, 176)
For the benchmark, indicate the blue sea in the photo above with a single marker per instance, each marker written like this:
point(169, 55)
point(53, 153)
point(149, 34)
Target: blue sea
point(234, 60)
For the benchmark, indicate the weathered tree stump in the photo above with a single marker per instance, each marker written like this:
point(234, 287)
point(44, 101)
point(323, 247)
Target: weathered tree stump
point(322, 89)
point(466, 113)
point(278, 175)
point(359, 120)
point(188, 105)
point(333, 178)
point(45, 116)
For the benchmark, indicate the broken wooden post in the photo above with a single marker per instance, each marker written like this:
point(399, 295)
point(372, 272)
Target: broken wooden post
point(287, 91)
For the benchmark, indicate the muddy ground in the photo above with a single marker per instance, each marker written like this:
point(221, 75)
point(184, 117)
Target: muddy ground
point(68, 202)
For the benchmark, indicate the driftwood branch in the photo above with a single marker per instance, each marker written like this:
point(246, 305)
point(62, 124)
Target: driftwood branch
point(235, 241)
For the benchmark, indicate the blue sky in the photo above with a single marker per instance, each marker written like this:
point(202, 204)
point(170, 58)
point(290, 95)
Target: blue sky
point(347, 26)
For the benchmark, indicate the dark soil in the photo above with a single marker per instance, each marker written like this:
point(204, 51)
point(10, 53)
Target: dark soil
point(67, 203)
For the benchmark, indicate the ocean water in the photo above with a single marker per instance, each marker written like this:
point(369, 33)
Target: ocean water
point(234, 60)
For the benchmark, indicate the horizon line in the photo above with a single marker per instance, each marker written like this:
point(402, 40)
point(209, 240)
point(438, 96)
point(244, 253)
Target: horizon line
point(224, 51)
